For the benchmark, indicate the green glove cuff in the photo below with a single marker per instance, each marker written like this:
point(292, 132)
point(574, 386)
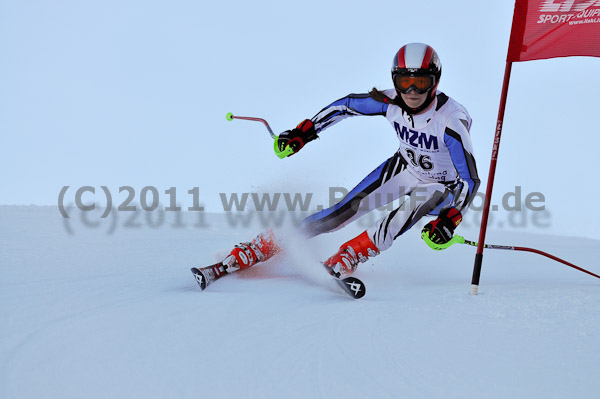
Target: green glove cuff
point(286, 152)
point(438, 247)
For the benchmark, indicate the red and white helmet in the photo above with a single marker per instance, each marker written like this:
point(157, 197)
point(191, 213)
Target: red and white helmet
point(416, 66)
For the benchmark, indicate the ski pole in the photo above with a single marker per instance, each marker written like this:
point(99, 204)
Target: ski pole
point(231, 117)
point(461, 240)
point(287, 151)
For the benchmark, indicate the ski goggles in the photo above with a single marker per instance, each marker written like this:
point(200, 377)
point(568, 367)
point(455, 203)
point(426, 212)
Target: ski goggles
point(420, 84)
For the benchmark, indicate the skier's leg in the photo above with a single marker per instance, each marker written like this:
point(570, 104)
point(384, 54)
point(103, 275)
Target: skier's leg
point(243, 256)
point(247, 254)
point(383, 185)
point(424, 199)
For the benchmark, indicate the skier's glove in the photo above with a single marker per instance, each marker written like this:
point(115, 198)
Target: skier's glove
point(296, 138)
point(441, 230)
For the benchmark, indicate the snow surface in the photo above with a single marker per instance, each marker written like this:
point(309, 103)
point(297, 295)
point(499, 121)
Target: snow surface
point(86, 312)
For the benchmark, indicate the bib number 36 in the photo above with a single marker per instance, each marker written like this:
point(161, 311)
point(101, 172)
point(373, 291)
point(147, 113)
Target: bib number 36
point(422, 161)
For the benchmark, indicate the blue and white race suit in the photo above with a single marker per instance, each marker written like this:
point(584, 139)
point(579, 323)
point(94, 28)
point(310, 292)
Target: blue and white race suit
point(434, 167)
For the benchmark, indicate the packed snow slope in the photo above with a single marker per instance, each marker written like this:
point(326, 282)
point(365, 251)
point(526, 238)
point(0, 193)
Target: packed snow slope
point(90, 311)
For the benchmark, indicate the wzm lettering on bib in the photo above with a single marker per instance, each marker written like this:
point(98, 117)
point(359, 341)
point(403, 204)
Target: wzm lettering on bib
point(415, 138)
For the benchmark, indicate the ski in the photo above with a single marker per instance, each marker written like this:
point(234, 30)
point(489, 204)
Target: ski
point(351, 285)
point(207, 275)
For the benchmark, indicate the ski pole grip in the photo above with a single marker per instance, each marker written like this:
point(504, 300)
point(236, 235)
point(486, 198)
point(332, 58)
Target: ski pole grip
point(440, 247)
point(287, 151)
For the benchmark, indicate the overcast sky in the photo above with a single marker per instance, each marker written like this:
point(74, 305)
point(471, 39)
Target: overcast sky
point(135, 93)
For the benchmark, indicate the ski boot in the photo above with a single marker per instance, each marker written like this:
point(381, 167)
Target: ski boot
point(346, 260)
point(243, 256)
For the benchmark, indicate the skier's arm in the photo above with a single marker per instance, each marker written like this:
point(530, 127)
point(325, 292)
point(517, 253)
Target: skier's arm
point(351, 105)
point(458, 141)
point(307, 130)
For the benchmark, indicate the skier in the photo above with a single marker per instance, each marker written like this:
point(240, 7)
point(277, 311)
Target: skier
point(434, 166)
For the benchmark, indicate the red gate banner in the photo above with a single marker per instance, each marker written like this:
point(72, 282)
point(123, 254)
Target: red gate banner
point(554, 28)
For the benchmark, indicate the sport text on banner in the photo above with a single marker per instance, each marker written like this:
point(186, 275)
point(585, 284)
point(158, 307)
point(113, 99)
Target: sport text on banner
point(554, 28)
